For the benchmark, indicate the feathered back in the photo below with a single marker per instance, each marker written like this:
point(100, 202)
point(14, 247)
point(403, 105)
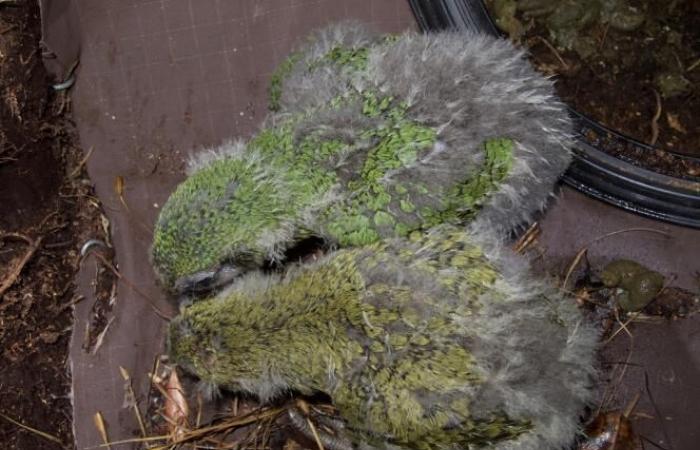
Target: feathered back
point(436, 342)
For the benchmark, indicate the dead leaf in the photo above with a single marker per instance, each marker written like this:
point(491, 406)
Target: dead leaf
point(176, 408)
point(528, 238)
point(101, 428)
point(50, 337)
point(609, 431)
point(119, 184)
point(675, 123)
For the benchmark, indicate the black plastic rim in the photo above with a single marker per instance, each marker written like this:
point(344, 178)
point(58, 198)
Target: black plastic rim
point(593, 172)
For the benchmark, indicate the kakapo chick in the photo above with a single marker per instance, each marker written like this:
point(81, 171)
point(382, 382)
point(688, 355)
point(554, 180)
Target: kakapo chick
point(375, 137)
point(425, 343)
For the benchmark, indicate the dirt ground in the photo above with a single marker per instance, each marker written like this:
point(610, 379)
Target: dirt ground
point(46, 211)
point(634, 70)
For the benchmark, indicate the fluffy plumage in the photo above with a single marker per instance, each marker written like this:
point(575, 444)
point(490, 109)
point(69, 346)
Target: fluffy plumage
point(440, 341)
point(374, 137)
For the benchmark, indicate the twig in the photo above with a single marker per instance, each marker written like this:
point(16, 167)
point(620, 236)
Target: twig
point(82, 162)
point(253, 417)
point(628, 230)
point(693, 65)
point(581, 253)
point(40, 433)
point(131, 285)
point(656, 409)
point(655, 119)
point(17, 270)
point(315, 433)
point(24, 61)
point(119, 185)
point(304, 407)
point(554, 51)
point(573, 265)
point(198, 419)
point(101, 428)
point(623, 326)
point(630, 407)
point(655, 444)
point(623, 371)
point(527, 238)
point(72, 302)
point(101, 336)
point(605, 34)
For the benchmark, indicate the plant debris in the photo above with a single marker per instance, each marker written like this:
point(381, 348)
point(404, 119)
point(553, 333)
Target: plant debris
point(47, 209)
point(624, 63)
point(611, 431)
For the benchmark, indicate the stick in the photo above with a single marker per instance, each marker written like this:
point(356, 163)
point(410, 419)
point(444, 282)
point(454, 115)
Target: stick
point(82, 162)
point(131, 285)
point(101, 428)
point(43, 434)
point(17, 270)
point(554, 50)
point(627, 230)
point(527, 238)
point(655, 120)
point(573, 265)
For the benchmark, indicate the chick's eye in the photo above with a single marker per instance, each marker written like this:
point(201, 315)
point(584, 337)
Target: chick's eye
point(206, 283)
point(194, 283)
point(226, 274)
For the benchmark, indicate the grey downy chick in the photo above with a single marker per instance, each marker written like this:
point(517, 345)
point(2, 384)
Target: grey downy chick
point(374, 137)
point(440, 342)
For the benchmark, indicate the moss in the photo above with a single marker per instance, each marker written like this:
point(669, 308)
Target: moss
point(224, 195)
point(397, 143)
point(407, 206)
point(406, 341)
point(401, 229)
point(374, 105)
point(352, 58)
point(277, 80)
point(463, 201)
point(383, 219)
point(303, 161)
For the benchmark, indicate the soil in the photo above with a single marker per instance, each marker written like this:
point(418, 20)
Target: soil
point(632, 65)
point(47, 210)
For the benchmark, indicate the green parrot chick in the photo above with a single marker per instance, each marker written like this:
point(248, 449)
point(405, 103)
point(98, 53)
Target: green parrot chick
point(374, 138)
point(422, 343)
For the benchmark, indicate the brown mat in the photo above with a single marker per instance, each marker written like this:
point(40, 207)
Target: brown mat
point(160, 78)
point(157, 80)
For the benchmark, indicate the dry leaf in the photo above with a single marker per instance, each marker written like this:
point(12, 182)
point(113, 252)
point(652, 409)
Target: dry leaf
point(609, 431)
point(119, 190)
point(176, 408)
point(572, 266)
point(674, 123)
point(119, 185)
point(528, 238)
point(101, 428)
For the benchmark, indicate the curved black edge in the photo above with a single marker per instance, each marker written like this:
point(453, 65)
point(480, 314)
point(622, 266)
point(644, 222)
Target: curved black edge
point(593, 172)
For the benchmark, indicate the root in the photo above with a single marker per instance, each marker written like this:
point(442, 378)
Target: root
point(33, 246)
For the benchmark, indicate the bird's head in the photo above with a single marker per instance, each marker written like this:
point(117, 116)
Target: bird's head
point(229, 217)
